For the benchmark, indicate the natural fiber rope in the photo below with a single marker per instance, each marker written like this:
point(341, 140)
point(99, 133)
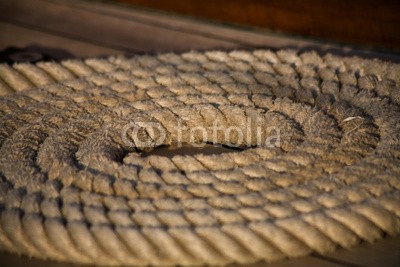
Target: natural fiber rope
point(72, 190)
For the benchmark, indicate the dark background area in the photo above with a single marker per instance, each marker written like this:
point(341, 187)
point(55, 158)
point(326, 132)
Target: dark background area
point(362, 22)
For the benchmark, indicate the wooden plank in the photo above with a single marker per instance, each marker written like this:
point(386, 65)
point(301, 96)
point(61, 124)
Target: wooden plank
point(105, 30)
point(243, 36)
point(14, 35)
point(135, 31)
point(11, 260)
point(300, 262)
point(384, 253)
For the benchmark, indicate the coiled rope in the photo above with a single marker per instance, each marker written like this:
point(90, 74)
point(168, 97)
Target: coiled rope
point(73, 189)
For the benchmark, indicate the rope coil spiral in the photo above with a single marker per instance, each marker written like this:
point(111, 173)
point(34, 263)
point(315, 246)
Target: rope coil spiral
point(72, 189)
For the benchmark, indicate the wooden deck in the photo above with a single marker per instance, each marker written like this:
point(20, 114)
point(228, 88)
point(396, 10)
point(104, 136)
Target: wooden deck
point(65, 29)
point(92, 28)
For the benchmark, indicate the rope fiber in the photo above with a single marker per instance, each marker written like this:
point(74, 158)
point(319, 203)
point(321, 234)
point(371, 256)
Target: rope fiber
point(75, 187)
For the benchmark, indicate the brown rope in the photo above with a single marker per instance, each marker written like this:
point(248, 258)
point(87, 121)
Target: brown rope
point(75, 188)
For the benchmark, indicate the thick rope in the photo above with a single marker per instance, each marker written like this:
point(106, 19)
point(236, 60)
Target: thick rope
point(74, 186)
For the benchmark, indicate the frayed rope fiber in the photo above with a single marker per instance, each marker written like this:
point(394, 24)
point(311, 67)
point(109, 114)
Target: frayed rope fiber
point(75, 187)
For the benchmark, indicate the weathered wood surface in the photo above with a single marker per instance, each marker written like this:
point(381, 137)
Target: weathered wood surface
point(91, 28)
